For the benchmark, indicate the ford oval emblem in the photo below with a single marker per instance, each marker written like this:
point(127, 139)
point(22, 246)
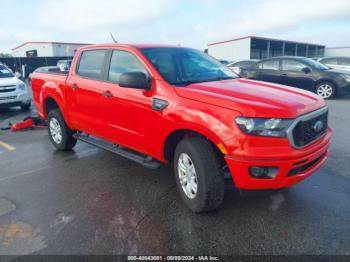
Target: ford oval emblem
point(318, 126)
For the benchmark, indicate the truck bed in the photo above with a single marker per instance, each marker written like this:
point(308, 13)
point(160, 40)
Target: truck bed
point(47, 80)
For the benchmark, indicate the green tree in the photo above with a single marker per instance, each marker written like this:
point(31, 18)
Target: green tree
point(5, 55)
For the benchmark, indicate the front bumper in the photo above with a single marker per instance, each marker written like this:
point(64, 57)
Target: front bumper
point(16, 98)
point(292, 170)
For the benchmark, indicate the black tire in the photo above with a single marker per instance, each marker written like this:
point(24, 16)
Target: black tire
point(67, 141)
point(26, 107)
point(326, 90)
point(209, 178)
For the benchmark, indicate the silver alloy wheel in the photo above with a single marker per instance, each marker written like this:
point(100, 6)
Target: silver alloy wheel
point(325, 90)
point(187, 175)
point(55, 130)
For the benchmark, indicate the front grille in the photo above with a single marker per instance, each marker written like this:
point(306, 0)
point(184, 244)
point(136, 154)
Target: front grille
point(8, 98)
point(303, 168)
point(4, 89)
point(307, 131)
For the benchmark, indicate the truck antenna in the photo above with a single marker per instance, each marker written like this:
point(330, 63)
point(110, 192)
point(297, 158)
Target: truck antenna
point(115, 41)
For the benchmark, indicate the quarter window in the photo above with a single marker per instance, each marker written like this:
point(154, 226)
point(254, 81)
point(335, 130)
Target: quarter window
point(292, 65)
point(123, 62)
point(91, 64)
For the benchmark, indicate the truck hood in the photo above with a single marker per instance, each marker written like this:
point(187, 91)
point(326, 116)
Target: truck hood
point(9, 81)
point(254, 98)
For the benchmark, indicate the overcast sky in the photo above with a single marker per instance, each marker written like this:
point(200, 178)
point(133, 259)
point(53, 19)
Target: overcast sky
point(193, 23)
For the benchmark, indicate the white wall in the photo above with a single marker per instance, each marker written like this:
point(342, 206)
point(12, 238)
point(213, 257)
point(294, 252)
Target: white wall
point(339, 51)
point(47, 49)
point(65, 49)
point(232, 51)
point(43, 49)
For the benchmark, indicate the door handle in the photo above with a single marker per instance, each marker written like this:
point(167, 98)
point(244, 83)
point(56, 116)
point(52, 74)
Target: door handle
point(75, 86)
point(284, 75)
point(107, 93)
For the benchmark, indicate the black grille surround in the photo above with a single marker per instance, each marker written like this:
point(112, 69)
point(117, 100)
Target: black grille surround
point(5, 89)
point(308, 128)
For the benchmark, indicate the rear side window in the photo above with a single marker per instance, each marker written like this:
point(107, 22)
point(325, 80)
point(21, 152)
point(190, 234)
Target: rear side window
point(91, 64)
point(122, 62)
point(345, 61)
point(270, 65)
point(292, 65)
point(332, 61)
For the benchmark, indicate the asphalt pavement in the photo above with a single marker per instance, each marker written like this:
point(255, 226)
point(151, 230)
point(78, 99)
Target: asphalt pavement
point(90, 201)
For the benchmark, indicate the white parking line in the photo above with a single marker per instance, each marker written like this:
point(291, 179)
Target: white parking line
point(7, 146)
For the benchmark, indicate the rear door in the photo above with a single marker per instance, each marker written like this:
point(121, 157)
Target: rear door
point(295, 75)
point(84, 92)
point(269, 71)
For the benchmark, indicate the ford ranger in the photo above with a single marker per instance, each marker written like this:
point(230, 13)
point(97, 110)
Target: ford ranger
point(163, 104)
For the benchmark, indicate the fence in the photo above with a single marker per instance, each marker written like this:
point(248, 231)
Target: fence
point(30, 63)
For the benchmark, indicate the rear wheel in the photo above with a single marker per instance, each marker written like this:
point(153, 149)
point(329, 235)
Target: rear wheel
point(198, 175)
point(60, 135)
point(326, 90)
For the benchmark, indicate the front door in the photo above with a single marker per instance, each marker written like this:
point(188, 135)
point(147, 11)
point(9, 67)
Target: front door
point(296, 74)
point(128, 111)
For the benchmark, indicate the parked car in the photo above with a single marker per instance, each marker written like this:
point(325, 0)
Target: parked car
point(44, 69)
point(337, 62)
point(13, 91)
point(134, 101)
point(301, 72)
point(243, 64)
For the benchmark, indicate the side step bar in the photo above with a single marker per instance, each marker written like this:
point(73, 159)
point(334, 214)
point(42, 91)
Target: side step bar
point(146, 161)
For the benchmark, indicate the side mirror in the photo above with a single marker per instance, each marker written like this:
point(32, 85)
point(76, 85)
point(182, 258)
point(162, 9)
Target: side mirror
point(306, 70)
point(18, 75)
point(137, 80)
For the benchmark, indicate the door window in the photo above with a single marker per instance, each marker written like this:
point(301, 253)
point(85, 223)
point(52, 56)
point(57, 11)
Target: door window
point(332, 61)
point(91, 64)
point(345, 61)
point(292, 65)
point(123, 62)
point(269, 65)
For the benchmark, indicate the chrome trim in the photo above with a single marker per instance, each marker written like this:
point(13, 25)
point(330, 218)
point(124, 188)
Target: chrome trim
point(305, 117)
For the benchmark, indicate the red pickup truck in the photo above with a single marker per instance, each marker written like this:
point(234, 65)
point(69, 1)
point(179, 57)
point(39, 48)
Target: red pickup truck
point(160, 104)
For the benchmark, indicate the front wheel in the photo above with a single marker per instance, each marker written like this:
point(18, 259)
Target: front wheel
point(26, 106)
point(198, 174)
point(326, 90)
point(60, 135)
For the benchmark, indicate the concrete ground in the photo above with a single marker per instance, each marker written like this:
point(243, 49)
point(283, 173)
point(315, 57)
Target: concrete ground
point(90, 201)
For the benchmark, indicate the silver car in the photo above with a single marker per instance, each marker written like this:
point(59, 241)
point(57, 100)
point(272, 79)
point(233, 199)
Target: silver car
point(336, 62)
point(13, 91)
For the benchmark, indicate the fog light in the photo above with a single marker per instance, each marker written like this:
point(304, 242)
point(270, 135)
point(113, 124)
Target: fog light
point(263, 171)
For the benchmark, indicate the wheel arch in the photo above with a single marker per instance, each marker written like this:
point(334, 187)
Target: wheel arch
point(176, 136)
point(325, 80)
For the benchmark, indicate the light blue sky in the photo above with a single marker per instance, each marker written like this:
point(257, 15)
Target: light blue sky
point(190, 23)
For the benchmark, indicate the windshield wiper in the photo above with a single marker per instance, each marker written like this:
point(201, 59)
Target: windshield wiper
point(220, 78)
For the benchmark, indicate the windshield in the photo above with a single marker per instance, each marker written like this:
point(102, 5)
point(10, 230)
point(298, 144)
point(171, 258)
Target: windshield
point(183, 66)
point(316, 64)
point(5, 72)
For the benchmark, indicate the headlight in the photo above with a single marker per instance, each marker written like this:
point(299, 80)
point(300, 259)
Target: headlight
point(347, 78)
point(274, 127)
point(22, 86)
